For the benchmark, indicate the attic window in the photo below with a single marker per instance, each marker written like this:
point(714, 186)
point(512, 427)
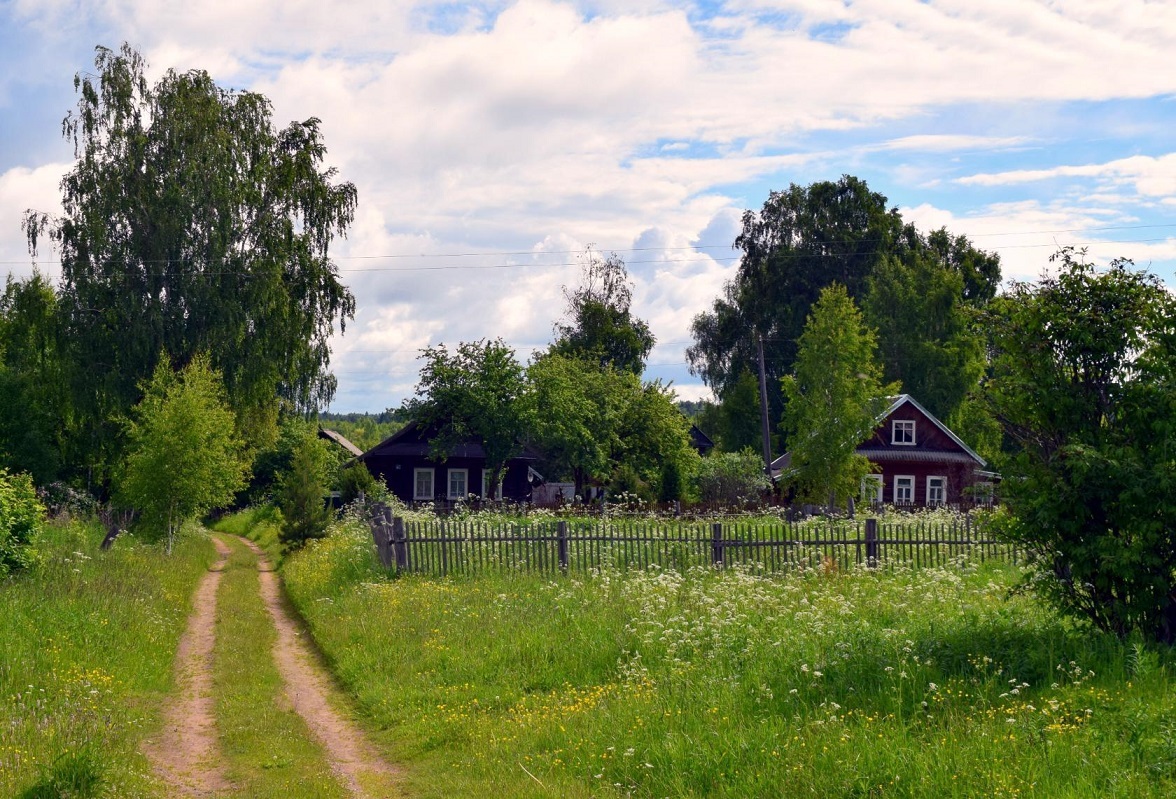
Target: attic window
point(903, 432)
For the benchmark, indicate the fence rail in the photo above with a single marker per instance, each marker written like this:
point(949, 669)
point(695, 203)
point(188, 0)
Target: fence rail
point(443, 547)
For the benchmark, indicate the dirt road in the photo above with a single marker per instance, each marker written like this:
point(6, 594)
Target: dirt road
point(186, 754)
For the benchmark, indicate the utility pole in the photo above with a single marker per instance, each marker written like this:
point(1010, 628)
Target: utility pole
point(763, 381)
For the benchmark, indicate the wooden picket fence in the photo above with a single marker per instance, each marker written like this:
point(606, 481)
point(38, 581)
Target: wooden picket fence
point(442, 547)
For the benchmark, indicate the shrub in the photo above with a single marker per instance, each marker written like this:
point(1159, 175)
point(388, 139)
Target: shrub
point(20, 515)
point(734, 478)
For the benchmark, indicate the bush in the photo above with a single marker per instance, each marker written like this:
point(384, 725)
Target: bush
point(734, 478)
point(21, 514)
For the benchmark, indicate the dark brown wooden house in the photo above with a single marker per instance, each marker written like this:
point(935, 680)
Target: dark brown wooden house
point(402, 461)
point(919, 461)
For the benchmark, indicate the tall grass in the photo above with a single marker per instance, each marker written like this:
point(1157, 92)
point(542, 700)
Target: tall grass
point(87, 641)
point(929, 683)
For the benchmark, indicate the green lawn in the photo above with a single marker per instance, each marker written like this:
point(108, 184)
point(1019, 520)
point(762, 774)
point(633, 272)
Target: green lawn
point(928, 683)
point(87, 641)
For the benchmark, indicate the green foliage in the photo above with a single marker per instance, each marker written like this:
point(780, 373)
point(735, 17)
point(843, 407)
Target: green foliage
point(591, 421)
point(600, 327)
point(356, 480)
point(191, 225)
point(302, 492)
point(732, 478)
point(21, 514)
point(834, 399)
point(576, 409)
point(925, 341)
point(33, 392)
point(803, 240)
point(474, 393)
point(364, 430)
point(184, 457)
point(1084, 383)
point(739, 424)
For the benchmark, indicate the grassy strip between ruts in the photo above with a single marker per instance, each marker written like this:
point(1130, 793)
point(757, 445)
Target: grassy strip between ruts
point(87, 642)
point(927, 683)
point(268, 750)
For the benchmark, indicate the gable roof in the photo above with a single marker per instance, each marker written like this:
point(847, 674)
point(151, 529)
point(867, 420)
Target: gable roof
point(903, 399)
point(412, 441)
point(784, 462)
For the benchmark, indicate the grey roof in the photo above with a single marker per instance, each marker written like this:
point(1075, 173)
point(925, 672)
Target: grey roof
point(339, 439)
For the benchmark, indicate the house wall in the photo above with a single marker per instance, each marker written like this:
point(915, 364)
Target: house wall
point(398, 475)
point(959, 477)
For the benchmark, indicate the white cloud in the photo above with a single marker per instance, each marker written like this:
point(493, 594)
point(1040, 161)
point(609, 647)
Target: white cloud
point(537, 126)
point(24, 189)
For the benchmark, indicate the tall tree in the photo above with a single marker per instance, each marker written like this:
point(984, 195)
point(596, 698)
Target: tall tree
point(474, 393)
point(1084, 385)
point(184, 457)
point(600, 325)
point(834, 398)
point(925, 336)
point(802, 240)
point(191, 225)
point(576, 410)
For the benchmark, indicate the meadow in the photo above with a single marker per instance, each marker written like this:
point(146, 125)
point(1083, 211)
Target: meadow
point(87, 641)
point(931, 682)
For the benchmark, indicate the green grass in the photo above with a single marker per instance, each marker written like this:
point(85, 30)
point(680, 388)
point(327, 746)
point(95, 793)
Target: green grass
point(913, 683)
point(87, 642)
point(260, 524)
point(268, 750)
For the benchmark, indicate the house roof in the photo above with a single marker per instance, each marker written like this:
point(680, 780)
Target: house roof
point(700, 440)
point(784, 462)
point(339, 439)
point(410, 441)
point(903, 399)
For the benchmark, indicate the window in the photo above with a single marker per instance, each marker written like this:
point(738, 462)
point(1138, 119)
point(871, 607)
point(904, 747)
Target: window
point(486, 484)
point(422, 484)
point(936, 490)
point(904, 490)
point(872, 489)
point(458, 483)
point(903, 432)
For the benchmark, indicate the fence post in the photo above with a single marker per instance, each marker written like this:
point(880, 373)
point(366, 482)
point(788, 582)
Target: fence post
point(717, 544)
point(399, 544)
point(872, 543)
point(561, 534)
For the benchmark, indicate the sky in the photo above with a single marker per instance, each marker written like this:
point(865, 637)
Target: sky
point(492, 143)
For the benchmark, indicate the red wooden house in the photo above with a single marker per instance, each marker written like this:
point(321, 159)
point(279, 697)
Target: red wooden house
point(919, 461)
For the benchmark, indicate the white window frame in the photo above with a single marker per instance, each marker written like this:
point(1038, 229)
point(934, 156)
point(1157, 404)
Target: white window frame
point(942, 499)
point(465, 483)
point(910, 499)
point(906, 426)
point(416, 484)
point(872, 487)
point(486, 482)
